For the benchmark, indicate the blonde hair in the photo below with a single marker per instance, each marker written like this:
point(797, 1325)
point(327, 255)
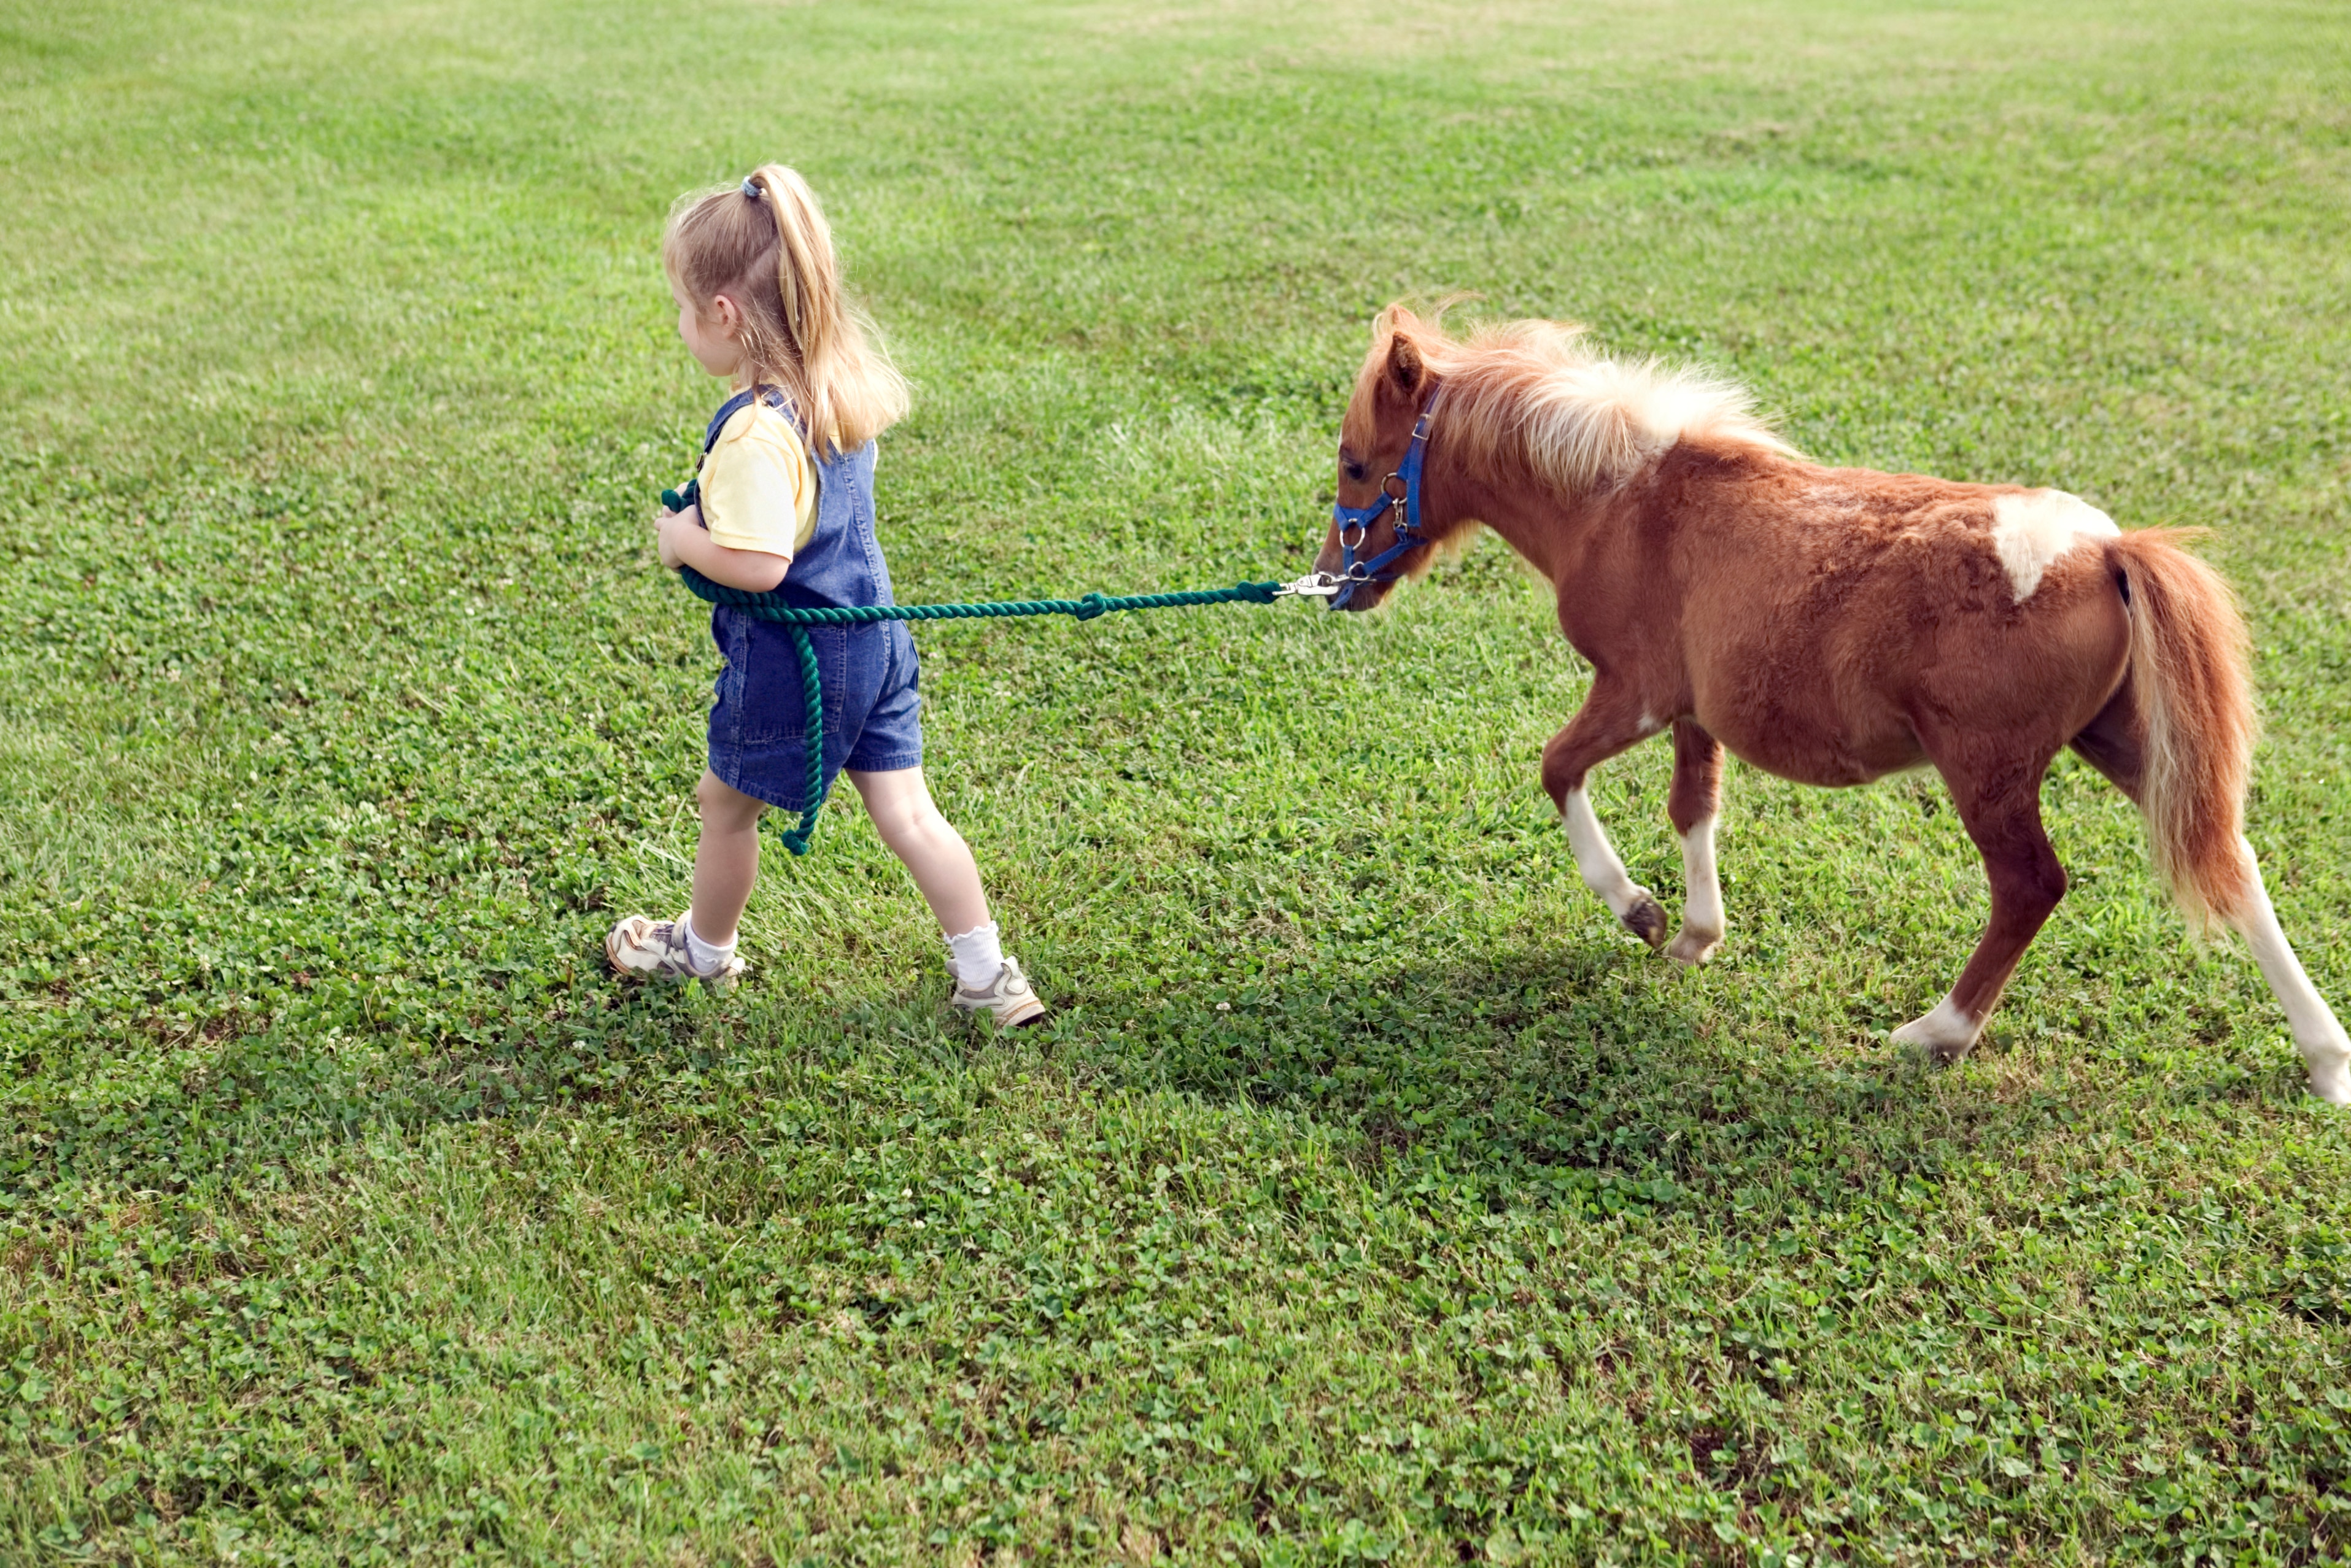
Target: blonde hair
point(765, 245)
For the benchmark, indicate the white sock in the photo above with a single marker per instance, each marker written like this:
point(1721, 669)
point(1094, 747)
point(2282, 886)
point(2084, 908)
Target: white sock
point(978, 956)
point(705, 958)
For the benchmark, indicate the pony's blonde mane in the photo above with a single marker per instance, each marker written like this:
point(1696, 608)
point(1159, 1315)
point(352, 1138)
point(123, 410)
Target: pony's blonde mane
point(1529, 394)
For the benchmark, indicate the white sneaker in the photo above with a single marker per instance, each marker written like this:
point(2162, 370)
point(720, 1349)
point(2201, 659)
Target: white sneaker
point(643, 949)
point(1008, 997)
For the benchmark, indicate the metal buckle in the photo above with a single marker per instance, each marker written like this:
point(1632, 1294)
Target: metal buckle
point(1314, 585)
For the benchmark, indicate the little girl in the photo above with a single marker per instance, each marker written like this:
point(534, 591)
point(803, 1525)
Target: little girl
point(786, 505)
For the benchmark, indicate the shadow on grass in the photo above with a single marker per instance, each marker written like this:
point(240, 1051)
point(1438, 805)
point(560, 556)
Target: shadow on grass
point(1579, 1073)
point(1580, 1069)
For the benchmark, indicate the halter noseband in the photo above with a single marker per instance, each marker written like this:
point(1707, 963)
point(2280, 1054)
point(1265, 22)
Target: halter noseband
point(1354, 523)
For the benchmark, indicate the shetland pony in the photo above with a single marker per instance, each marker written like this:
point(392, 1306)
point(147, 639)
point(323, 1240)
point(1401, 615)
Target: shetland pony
point(1829, 625)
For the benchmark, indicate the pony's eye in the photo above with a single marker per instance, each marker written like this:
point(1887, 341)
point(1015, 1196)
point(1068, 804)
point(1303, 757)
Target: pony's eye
point(1355, 470)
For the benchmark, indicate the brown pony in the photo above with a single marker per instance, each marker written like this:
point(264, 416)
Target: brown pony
point(1829, 625)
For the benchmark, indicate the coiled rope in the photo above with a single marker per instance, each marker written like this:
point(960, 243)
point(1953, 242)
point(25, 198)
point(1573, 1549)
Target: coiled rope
point(771, 607)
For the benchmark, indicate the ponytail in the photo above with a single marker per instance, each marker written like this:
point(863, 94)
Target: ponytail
point(766, 245)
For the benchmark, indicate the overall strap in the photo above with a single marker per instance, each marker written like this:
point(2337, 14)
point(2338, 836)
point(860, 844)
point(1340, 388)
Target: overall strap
point(773, 397)
point(726, 410)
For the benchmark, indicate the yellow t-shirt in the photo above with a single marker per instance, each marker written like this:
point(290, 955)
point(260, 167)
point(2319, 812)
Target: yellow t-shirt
point(759, 487)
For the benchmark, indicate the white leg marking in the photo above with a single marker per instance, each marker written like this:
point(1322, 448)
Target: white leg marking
point(1604, 875)
point(2324, 1047)
point(1947, 1032)
point(1595, 857)
point(2032, 530)
point(1702, 910)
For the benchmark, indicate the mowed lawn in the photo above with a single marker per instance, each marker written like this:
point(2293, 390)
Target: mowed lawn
point(1372, 1197)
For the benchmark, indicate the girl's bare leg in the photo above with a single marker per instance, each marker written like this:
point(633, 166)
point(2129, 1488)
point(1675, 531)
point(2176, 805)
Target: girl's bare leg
point(899, 801)
point(726, 860)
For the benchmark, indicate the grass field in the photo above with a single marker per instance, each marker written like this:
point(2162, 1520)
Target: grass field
point(1372, 1197)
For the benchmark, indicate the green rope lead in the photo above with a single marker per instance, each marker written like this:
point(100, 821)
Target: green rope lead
point(770, 607)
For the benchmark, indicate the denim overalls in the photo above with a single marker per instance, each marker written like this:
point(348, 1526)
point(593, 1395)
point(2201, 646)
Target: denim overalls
point(872, 712)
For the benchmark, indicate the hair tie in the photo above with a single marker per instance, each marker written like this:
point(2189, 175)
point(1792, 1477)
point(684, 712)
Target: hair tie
point(751, 189)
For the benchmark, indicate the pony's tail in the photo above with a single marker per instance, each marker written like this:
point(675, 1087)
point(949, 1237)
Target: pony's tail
point(2189, 675)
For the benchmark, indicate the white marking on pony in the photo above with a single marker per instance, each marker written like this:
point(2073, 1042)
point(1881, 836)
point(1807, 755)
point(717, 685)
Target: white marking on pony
point(1702, 909)
point(2032, 530)
point(1650, 724)
point(2324, 1045)
point(1947, 1031)
point(1595, 857)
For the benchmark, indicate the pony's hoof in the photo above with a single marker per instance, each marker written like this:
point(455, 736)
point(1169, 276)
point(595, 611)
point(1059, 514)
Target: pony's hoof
point(1647, 918)
point(2331, 1080)
point(1946, 1035)
point(1693, 946)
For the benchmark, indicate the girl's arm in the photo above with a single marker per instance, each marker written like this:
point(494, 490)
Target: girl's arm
point(684, 542)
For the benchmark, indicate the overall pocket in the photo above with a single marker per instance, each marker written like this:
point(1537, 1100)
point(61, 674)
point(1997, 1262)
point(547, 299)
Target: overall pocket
point(760, 699)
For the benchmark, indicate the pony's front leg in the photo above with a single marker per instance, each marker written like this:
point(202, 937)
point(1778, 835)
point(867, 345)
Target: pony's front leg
point(2003, 818)
point(1611, 719)
point(1691, 806)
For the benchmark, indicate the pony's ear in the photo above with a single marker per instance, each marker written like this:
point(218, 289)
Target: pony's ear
point(1405, 368)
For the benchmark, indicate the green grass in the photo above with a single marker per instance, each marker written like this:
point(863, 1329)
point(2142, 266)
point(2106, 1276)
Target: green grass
point(1373, 1198)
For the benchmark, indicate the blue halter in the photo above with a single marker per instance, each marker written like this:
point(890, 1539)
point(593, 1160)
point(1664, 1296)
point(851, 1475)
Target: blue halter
point(1354, 523)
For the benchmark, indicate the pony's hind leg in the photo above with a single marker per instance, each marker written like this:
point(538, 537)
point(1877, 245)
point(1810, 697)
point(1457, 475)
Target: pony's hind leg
point(2001, 806)
point(2115, 745)
point(2325, 1050)
point(1692, 806)
point(1611, 719)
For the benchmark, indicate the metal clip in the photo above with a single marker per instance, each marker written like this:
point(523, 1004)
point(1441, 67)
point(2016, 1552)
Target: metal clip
point(1314, 585)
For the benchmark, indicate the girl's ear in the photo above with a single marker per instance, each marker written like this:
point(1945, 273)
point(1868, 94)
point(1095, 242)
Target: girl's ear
point(727, 313)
